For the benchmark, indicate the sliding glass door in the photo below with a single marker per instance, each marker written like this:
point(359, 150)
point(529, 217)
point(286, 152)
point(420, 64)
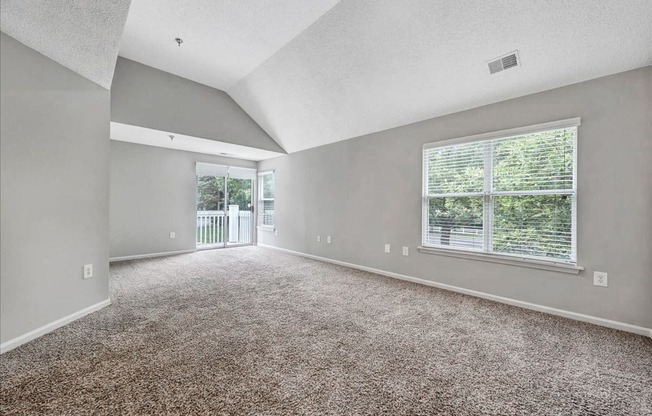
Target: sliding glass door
point(224, 206)
point(211, 208)
point(239, 215)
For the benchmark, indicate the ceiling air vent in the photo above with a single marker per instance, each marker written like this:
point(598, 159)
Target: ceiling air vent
point(504, 62)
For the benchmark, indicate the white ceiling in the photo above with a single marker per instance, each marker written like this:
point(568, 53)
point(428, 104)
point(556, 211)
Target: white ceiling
point(319, 71)
point(224, 40)
point(367, 66)
point(150, 137)
point(83, 36)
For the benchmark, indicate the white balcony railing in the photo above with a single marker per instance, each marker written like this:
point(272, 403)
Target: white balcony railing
point(213, 226)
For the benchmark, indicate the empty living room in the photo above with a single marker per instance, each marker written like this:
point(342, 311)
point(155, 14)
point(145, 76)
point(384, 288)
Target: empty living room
point(326, 207)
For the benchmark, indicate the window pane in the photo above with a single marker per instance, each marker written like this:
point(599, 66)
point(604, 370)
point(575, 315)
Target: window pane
point(454, 169)
point(536, 161)
point(537, 226)
point(239, 193)
point(268, 213)
point(455, 222)
point(268, 186)
point(210, 193)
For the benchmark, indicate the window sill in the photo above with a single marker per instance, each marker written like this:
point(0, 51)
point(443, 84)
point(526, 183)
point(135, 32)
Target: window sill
point(265, 227)
point(497, 258)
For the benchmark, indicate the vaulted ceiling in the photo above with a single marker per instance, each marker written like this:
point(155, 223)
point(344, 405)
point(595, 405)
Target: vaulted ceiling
point(223, 40)
point(315, 72)
point(367, 66)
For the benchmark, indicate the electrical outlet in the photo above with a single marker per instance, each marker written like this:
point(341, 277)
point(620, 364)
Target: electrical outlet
point(406, 251)
point(387, 248)
point(328, 239)
point(319, 238)
point(173, 234)
point(600, 279)
point(88, 271)
point(275, 232)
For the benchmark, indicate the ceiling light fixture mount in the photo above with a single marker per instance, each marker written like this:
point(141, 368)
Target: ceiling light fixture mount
point(179, 41)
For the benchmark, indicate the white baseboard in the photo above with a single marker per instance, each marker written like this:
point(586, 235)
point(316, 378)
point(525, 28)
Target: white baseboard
point(527, 305)
point(147, 256)
point(31, 335)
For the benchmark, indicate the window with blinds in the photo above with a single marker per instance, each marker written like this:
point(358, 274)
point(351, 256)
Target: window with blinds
point(266, 199)
point(511, 193)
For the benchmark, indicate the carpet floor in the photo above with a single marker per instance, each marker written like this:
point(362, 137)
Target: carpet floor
point(251, 331)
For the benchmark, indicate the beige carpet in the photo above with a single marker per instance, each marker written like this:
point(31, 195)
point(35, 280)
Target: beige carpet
point(259, 332)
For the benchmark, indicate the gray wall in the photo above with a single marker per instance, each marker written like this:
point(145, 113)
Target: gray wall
point(55, 190)
point(153, 193)
point(366, 192)
point(147, 97)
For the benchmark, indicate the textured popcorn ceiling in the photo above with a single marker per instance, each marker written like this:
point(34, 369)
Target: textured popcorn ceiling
point(319, 71)
point(371, 65)
point(83, 36)
point(224, 40)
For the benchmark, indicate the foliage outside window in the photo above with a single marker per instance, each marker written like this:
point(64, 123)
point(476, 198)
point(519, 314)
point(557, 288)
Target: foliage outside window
point(211, 192)
point(512, 194)
point(266, 199)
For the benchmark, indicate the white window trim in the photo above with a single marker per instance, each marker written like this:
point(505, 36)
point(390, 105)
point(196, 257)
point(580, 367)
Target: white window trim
point(517, 260)
point(513, 260)
point(264, 227)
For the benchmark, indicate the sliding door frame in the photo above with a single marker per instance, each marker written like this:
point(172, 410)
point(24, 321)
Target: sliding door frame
point(252, 220)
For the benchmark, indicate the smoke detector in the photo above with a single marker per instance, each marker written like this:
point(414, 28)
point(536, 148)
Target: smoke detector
point(511, 60)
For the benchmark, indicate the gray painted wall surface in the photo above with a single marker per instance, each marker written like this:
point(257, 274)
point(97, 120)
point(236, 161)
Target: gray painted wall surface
point(55, 190)
point(147, 97)
point(152, 193)
point(366, 192)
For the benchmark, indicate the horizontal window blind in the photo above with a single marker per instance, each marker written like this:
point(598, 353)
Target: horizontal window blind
point(456, 169)
point(266, 213)
point(533, 225)
point(513, 195)
point(539, 161)
point(267, 186)
point(266, 199)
